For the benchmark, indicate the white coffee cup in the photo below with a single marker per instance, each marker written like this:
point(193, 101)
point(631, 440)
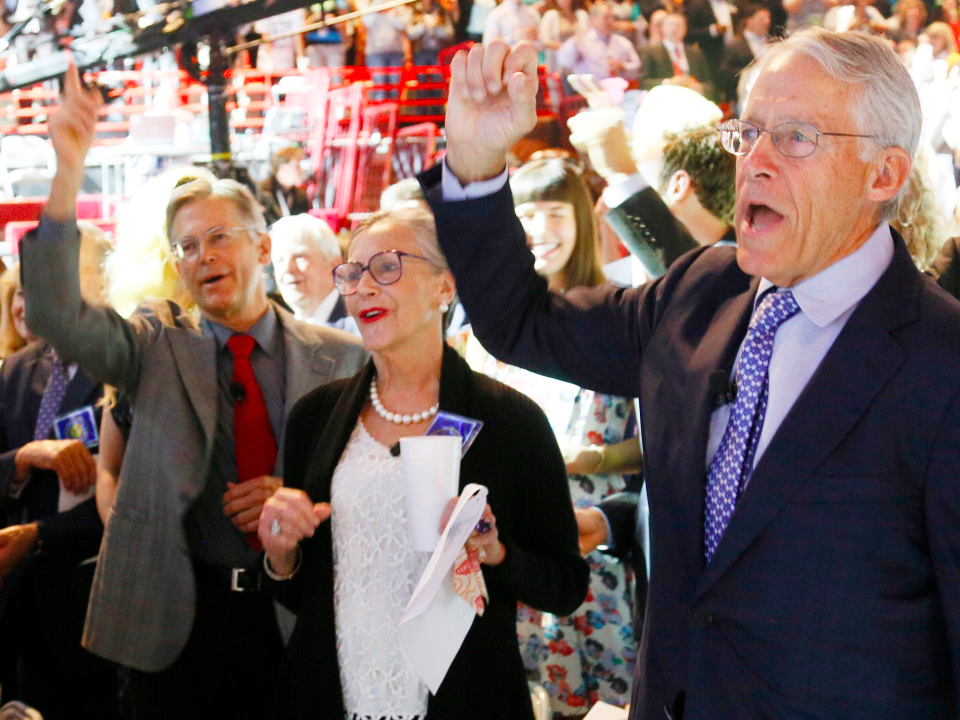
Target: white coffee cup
point(431, 468)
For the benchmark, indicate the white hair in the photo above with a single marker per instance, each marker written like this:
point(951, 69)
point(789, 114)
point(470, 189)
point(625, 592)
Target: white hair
point(306, 228)
point(887, 106)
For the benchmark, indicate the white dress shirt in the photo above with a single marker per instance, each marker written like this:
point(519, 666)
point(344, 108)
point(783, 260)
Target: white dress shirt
point(588, 54)
point(724, 15)
point(321, 315)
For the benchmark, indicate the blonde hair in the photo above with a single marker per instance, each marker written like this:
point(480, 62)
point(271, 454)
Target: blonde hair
point(142, 264)
point(419, 221)
point(942, 31)
point(918, 220)
point(10, 339)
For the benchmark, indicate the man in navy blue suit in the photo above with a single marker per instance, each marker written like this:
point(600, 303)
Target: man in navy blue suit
point(800, 393)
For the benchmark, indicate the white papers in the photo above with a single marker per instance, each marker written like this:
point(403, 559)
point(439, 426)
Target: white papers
point(602, 711)
point(437, 620)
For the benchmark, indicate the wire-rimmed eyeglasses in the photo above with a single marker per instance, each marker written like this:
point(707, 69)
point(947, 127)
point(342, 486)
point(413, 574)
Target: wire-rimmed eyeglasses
point(793, 139)
point(188, 248)
point(385, 267)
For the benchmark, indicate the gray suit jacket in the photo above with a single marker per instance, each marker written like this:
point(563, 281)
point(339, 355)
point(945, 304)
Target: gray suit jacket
point(143, 598)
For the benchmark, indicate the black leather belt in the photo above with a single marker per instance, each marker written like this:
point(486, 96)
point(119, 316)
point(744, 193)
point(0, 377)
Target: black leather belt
point(230, 579)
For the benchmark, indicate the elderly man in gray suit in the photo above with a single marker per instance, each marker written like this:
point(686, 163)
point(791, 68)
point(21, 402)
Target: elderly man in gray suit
point(176, 594)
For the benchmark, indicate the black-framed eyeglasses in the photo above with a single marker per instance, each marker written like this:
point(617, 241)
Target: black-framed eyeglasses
point(385, 267)
point(793, 139)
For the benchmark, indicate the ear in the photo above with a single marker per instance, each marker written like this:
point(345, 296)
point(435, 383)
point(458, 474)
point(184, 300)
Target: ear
point(891, 172)
point(678, 188)
point(448, 288)
point(263, 248)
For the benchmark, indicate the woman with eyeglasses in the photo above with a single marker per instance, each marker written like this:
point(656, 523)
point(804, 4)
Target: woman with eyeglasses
point(337, 545)
point(586, 655)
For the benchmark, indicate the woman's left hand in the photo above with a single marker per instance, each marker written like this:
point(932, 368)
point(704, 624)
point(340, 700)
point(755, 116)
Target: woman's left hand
point(486, 544)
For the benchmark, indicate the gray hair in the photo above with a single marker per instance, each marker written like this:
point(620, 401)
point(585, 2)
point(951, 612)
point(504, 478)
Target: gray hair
point(306, 229)
point(887, 106)
point(231, 190)
point(422, 226)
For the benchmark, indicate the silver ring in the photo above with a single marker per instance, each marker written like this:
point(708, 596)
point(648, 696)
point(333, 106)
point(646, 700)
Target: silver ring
point(275, 527)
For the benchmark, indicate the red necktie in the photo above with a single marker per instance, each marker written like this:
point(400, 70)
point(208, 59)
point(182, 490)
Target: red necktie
point(255, 446)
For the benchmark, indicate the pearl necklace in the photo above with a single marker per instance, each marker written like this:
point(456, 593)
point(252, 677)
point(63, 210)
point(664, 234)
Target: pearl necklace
point(397, 418)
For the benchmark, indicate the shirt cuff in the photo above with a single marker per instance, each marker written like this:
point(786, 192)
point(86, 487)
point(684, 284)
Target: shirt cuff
point(617, 194)
point(453, 190)
point(606, 521)
point(51, 231)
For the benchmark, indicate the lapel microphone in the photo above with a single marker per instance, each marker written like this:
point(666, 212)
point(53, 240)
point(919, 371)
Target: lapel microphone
point(723, 391)
point(237, 391)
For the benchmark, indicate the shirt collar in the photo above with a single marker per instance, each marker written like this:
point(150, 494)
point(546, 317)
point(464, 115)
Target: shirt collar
point(838, 288)
point(322, 314)
point(265, 332)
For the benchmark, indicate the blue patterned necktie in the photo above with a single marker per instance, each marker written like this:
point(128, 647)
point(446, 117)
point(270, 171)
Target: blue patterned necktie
point(53, 395)
point(733, 462)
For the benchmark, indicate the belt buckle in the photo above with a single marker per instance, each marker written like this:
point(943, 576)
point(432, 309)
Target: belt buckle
point(237, 575)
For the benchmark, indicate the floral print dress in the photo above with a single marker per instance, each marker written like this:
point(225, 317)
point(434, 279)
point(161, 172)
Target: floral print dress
point(588, 656)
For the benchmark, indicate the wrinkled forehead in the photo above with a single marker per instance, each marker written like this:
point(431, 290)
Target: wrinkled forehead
point(795, 87)
point(385, 235)
point(199, 216)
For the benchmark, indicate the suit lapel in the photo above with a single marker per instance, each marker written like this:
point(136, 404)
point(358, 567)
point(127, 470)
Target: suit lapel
point(196, 360)
point(308, 367)
point(83, 390)
point(858, 365)
point(717, 351)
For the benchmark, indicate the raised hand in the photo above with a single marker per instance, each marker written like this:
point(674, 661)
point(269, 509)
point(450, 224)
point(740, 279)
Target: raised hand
point(491, 105)
point(72, 129)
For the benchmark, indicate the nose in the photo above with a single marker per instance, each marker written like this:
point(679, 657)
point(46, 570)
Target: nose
point(762, 157)
point(367, 286)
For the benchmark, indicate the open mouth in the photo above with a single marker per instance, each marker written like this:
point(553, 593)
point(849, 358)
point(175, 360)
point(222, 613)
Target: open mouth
point(762, 217)
point(542, 250)
point(371, 315)
point(213, 279)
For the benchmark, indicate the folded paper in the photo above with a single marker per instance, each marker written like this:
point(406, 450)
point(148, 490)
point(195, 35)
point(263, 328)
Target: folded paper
point(437, 618)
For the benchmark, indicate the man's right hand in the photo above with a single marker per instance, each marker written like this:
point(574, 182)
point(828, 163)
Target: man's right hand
point(72, 129)
point(492, 103)
point(69, 459)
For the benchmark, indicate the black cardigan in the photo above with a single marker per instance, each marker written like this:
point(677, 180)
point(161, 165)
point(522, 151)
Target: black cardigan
point(516, 457)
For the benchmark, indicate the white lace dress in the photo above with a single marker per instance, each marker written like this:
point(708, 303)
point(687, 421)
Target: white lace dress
point(375, 573)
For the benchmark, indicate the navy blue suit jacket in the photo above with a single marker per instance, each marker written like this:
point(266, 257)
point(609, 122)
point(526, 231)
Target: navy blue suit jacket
point(835, 592)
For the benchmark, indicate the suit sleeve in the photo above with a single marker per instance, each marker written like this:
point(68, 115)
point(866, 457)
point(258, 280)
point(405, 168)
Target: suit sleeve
point(591, 337)
point(543, 567)
point(620, 510)
point(650, 76)
point(7, 454)
point(649, 231)
point(73, 536)
point(103, 343)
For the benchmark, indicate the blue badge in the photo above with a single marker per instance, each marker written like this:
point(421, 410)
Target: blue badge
point(449, 424)
point(78, 425)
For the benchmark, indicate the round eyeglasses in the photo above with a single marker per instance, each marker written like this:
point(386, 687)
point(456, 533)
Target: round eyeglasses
point(188, 248)
point(385, 267)
point(793, 139)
